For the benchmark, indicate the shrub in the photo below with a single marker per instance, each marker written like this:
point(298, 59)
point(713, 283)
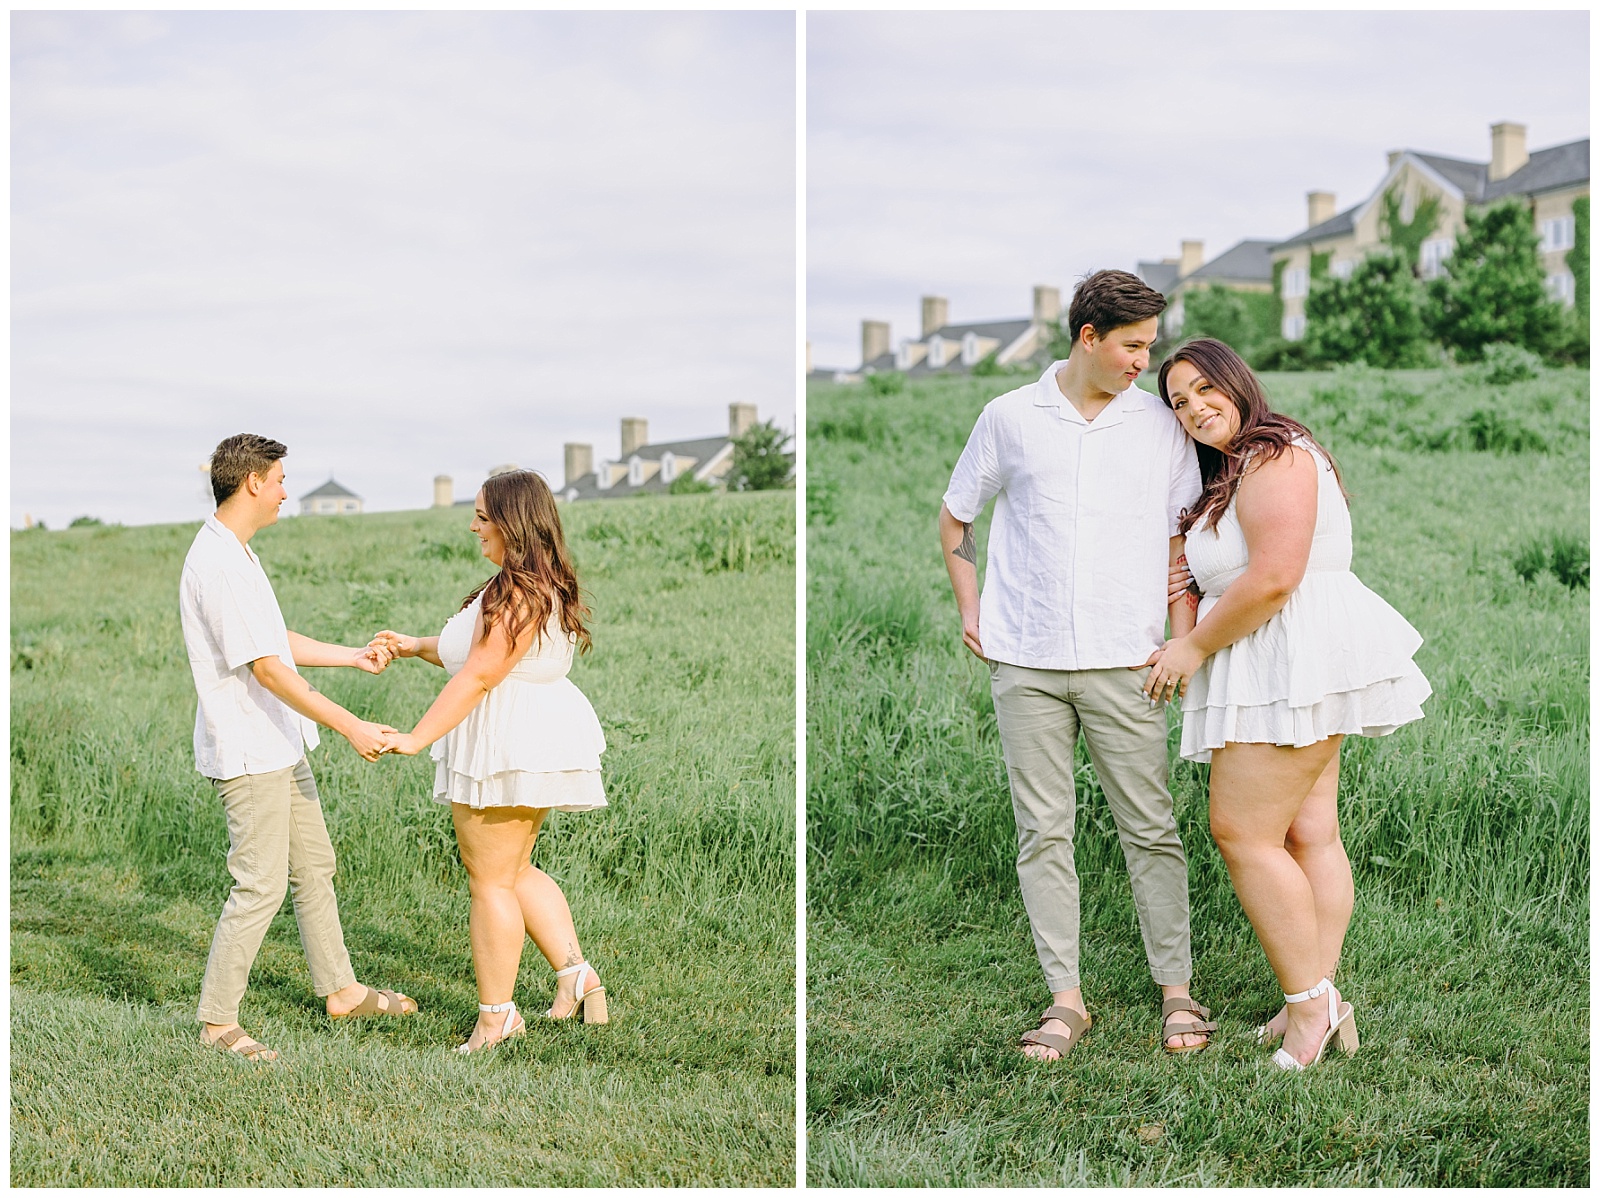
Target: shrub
point(1493, 289)
point(1374, 316)
point(1563, 555)
point(83, 522)
point(1487, 431)
point(886, 382)
point(1506, 363)
point(989, 365)
point(760, 459)
point(688, 484)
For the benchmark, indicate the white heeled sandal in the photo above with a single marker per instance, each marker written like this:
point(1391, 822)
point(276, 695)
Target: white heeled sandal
point(592, 1002)
point(1341, 1023)
point(514, 1025)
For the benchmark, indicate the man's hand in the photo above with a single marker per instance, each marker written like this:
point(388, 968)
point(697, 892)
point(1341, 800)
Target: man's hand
point(367, 738)
point(1171, 667)
point(969, 634)
point(373, 658)
point(403, 743)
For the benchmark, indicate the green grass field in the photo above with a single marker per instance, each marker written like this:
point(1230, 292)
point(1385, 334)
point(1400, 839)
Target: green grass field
point(1468, 958)
point(683, 890)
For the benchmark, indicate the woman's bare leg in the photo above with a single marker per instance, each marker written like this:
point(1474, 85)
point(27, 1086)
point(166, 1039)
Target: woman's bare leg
point(1257, 792)
point(548, 919)
point(1314, 842)
point(495, 844)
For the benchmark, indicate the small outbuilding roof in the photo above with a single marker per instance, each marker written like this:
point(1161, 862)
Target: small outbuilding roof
point(330, 489)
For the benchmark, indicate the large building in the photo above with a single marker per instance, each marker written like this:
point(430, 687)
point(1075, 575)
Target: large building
point(945, 348)
point(1548, 180)
point(646, 467)
point(330, 499)
point(1247, 266)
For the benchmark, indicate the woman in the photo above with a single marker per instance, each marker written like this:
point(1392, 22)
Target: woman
point(516, 740)
point(1290, 654)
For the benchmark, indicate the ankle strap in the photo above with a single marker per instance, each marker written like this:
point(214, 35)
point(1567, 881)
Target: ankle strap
point(1320, 988)
point(561, 973)
point(494, 1008)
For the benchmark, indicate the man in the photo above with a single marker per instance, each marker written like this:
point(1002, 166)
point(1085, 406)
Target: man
point(252, 730)
point(1089, 476)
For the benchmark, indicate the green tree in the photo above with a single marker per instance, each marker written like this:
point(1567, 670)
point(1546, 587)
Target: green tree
point(1405, 237)
point(1246, 320)
point(1493, 288)
point(687, 484)
point(1374, 316)
point(760, 460)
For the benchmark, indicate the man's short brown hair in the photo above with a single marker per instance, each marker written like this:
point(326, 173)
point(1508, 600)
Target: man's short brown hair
point(1110, 299)
point(238, 457)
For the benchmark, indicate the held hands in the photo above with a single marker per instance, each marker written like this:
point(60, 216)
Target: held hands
point(373, 658)
point(396, 644)
point(368, 739)
point(1171, 667)
point(403, 743)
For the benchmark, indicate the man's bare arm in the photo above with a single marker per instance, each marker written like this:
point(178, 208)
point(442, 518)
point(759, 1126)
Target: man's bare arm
point(961, 560)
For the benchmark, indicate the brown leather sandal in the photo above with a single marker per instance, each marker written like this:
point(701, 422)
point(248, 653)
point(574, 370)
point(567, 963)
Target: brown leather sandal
point(394, 1004)
point(255, 1051)
point(1076, 1025)
point(1204, 1026)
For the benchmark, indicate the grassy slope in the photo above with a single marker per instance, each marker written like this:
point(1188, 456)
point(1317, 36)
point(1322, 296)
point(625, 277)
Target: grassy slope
point(1467, 959)
point(683, 890)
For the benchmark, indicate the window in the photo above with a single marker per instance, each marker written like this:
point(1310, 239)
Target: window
point(902, 356)
point(1560, 286)
point(1433, 254)
point(1342, 268)
point(936, 351)
point(1557, 234)
point(1294, 328)
point(669, 467)
point(969, 349)
point(348, 505)
point(635, 471)
point(1296, 282)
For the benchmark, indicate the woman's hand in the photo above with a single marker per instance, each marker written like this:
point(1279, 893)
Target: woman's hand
point(1178, 579)
point(403, 743)
point(396, 644)
point(1171, 667)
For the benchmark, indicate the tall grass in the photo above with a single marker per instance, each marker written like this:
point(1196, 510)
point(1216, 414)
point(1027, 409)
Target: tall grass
point(1468, 833)
point(682, 890)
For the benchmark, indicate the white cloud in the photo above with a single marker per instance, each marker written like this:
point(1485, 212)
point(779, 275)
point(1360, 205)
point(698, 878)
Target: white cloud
point(423, 242)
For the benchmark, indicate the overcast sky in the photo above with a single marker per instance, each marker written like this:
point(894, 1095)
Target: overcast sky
point(404, 244)
point(972, 155)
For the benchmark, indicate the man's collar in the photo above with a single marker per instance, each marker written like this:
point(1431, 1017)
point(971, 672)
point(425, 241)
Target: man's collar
point(222, 530)
point(1048, 394)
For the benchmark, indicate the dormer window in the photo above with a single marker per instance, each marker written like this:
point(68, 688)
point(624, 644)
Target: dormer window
point(669, 467)
point(969, 349)
point(902, 356)
point(936, 351)
point(635, 470)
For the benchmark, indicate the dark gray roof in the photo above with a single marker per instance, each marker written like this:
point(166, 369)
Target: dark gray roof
point(1545, 170)
point(702, 450)
point(1003, 331)
point(1332, 227)
point(330, 488)
point(1249, 260)
point(1158, 276)
point(1469, 177)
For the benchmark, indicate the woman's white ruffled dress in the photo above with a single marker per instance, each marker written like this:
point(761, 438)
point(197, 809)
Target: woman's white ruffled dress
point(1335, 659)
point(534, 740)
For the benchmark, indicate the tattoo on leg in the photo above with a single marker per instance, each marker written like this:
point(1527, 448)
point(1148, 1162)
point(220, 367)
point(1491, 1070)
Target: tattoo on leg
point(967, 551)
point(572, 957)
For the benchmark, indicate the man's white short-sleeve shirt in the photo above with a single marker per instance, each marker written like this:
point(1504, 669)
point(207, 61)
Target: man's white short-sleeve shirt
point(1084, 511)
point(230, 618)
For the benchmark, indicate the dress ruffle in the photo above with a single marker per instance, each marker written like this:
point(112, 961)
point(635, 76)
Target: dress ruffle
point(533, 741)
point(1336, 659)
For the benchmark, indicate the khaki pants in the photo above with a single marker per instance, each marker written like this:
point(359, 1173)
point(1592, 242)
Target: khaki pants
point(276, 842)
point(1040, 713)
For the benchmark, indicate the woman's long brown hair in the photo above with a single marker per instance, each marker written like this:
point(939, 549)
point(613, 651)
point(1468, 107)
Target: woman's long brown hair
point(1262, 434)
point(536, 576)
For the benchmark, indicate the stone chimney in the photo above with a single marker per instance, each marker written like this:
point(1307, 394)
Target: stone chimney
point(1394, 157)
point(874, 339)
point(635, 432)
point(1319, 207)
point(1190, 255)
point(443, 491)
point(1046, 305)
point(935, 314)
point(740, 417)
point(578, 461)
point(1508, 149)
